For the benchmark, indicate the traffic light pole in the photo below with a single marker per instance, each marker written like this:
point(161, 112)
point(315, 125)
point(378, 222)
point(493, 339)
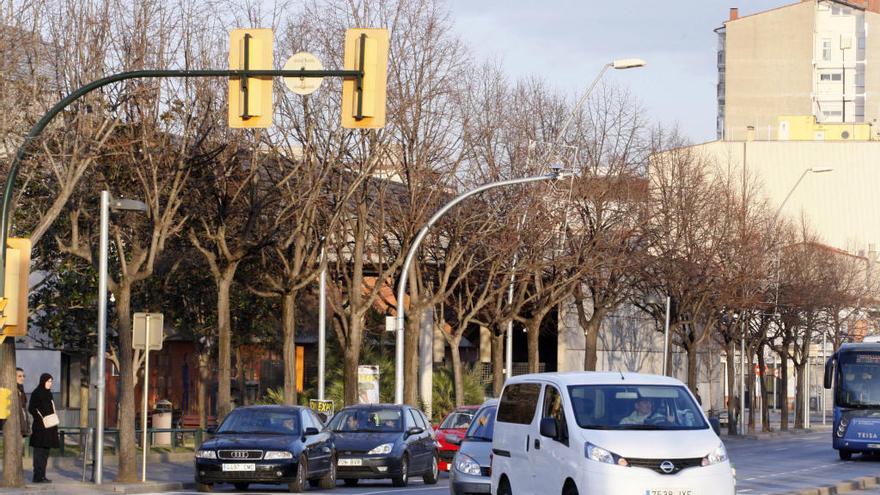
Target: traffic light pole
point(12, 472)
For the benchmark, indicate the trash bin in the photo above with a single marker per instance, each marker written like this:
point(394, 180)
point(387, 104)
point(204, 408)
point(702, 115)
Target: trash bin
point(162, 419)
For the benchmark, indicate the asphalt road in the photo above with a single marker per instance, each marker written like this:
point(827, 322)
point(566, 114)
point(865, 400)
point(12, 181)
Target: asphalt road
point(366, 487)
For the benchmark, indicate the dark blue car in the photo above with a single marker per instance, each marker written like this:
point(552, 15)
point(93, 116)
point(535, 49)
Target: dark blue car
point(379, 441)
point(268, 444)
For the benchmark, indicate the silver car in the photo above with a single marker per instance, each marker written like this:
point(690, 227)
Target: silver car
point(470, 472)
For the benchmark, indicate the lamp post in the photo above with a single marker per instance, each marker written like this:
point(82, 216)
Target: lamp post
point(107, 203)
point(654, 300)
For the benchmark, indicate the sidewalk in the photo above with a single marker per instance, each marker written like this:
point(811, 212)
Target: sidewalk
point(775, 425)
point(165, 472)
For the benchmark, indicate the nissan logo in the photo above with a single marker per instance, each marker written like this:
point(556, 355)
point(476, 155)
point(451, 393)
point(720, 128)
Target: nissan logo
point(667, 467)
point(238, 454)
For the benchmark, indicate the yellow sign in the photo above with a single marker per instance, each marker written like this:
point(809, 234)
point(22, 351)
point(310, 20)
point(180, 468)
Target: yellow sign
point(250, 99)
point(5, 402)
point(18, 267)
point(365, 110)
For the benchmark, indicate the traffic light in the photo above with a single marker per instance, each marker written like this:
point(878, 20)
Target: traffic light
point(14, 305)
point(363, 107)
point(5, 402)
point(250, 98)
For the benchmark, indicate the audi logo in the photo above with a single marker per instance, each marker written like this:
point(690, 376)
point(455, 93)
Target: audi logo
point(238, 454)
point(667, 467)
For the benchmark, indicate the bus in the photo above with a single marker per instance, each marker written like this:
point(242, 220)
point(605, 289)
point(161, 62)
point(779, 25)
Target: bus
point(853, 372)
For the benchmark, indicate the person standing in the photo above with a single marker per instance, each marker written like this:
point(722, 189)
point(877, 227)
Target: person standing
point(22, 403)
point(42, 438)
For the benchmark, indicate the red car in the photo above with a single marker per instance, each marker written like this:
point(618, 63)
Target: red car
point(456, 424)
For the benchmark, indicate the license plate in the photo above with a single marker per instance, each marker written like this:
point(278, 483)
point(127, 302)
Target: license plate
point(240, 467)
point(669, 491)
point(350, 462)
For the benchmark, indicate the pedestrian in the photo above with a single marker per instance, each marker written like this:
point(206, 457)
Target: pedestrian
point(45, 431)
point(22, 404)
point(699, 399)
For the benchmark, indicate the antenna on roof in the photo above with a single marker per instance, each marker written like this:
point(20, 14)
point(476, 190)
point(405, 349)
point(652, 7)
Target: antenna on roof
point(621, 374)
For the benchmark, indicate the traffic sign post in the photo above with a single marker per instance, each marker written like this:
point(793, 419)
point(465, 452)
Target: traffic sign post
point(147, 334)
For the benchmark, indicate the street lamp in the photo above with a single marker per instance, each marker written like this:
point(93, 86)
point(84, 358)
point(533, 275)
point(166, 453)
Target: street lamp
point(652, 299)
point(107, 203)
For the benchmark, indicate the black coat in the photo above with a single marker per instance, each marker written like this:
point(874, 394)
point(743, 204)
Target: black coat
point(41, 404)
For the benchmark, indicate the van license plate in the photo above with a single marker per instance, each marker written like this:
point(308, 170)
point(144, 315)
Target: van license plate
point(240, 467)
point(669, 491)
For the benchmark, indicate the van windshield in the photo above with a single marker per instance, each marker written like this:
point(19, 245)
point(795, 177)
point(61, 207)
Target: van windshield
point(635, 407)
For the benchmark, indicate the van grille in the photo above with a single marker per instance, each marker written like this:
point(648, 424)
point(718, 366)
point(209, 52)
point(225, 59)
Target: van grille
point(677, 464)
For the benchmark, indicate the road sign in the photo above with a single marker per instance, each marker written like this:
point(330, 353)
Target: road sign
point(250, 98)
point(303, 85)
point(324, 407)
point(363, 101)
point(139, 331)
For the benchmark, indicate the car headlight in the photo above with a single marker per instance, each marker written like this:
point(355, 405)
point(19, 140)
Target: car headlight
point(385, 448)
point(717, 456)
point(206, 454)
point(277, 454)
point(465, 464)
point(599, 454)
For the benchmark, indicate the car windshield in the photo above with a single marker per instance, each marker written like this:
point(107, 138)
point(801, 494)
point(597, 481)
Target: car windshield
point(483, 425)
point(858, 384)
point(367, 420)
point(275, 422)
point(458, 419)
point(635, 407)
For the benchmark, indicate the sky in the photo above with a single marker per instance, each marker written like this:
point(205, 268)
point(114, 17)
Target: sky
point(568, 41)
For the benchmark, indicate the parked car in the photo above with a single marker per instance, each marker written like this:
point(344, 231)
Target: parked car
point(379, 441)
point(450, 432)
point(470, 471)
point(604, 434)
point(268, 444)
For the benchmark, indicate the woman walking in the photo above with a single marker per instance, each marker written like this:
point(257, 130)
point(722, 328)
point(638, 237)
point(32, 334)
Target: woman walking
point(45, 429)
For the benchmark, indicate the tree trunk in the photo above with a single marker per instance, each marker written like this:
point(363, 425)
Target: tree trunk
point(288, 323)
point(411, 356)
point(202, 389)
point(591, 340)
point(731, 388)
point(498, 362)
point(457, 371)
point(13, 476)
point(127, 442)
point(224, 344)
point(352, 355)
point(84, 391)
point(750, 383)
point(783, 383)
point(799, 395)
point(533, 328)
point(765, 404)
point(692, 366)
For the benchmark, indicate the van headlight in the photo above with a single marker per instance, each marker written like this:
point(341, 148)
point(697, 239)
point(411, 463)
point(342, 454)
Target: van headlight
point(465, 464)
point(206, 454)
point(277, 454)
point(385, 448)
point(717, 456)
point(598, 454)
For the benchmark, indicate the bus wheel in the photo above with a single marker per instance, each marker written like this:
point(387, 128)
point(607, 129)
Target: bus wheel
point(845, 455)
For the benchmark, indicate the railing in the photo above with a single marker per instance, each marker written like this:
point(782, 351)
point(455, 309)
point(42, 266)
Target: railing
point(178, 436)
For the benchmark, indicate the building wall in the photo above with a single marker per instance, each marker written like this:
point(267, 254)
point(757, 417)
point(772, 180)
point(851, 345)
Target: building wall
point(872, 71)
point(768, 63)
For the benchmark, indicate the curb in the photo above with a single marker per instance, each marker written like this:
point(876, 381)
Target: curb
point(860, 483)
point(776, 434)
point(88, 488)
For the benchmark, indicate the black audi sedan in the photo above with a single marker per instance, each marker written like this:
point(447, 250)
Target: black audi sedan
point(268, 444)
point(376, 441)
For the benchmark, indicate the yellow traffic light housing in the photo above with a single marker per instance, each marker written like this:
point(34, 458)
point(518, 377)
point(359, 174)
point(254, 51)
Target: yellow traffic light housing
point(363, 99)
point(15, 303)
point(250, 98)
point(5, 402)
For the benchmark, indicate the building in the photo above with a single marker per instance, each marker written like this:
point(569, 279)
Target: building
point(808, 58)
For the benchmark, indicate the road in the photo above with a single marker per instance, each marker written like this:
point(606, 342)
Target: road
point(416, 487)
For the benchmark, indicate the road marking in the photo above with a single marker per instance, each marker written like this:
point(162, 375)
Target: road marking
point(397, 490)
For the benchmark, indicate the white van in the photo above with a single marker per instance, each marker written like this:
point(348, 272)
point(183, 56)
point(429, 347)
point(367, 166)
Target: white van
point(605, 434)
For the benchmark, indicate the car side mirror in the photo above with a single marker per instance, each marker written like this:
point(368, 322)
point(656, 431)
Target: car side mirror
point(210, 431)
point(311, 431)
point(415, 430)
point(549, 428)
point(452, 439)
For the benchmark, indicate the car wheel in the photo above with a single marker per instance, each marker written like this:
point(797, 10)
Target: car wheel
point(504, 488)
point(434, 474)
point(350, 481)
point(403, 479)
point(845, 455)
point(204, 487)
point(328, 481)
point(302, 471)
point(241, 486)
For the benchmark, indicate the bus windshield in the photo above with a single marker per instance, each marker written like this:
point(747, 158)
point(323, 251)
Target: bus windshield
point(858, 384)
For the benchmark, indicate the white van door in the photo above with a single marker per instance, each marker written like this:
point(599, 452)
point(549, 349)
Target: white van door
point(514, 433)
point(552, 456)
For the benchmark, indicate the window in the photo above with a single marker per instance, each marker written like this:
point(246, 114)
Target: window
point(408, 421)
point(483, 425)
point(830, 76)
point(518, 403)
point(635, 407)
point(553, 409)
point(372, 419)
point(826, 49)
point(458, 419)
point(861, 43)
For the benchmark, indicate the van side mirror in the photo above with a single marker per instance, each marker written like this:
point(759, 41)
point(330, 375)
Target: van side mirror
point(549, 428)
point(829, 371)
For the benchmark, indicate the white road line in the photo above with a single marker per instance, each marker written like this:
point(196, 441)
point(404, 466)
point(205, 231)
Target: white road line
point(397, 490)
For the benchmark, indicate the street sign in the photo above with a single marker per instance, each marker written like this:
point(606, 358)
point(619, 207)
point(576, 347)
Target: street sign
point(303, 85)
point(139, 331)
point(390, 324)
point(324, 407)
